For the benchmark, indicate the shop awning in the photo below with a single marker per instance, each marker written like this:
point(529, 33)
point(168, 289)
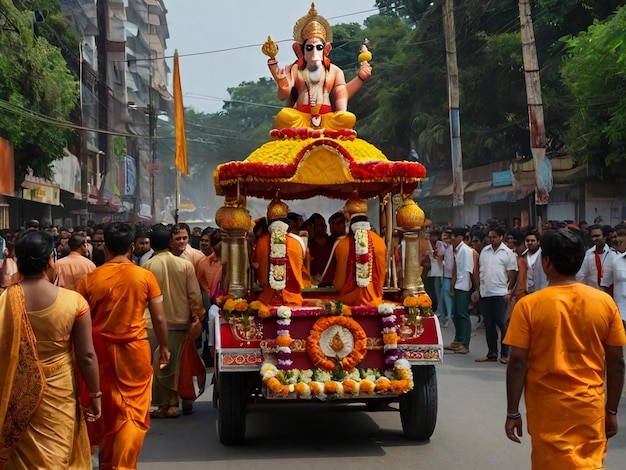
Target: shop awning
point(505, 194)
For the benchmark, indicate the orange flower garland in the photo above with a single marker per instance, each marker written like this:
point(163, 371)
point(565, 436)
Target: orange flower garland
point(333, 377)
point(320, 359)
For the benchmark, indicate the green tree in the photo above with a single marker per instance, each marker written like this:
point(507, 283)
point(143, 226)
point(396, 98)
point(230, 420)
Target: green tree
point(597, 122)
point(35, 84)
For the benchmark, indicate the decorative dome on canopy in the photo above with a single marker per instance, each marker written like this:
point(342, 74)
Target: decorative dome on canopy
point(317, 163)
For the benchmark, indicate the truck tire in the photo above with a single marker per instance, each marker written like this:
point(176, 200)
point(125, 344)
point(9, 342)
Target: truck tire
point(231, 412)
point(418, 408)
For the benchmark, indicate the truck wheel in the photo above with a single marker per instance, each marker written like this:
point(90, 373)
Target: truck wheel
point(231, 413)
point(418, 408)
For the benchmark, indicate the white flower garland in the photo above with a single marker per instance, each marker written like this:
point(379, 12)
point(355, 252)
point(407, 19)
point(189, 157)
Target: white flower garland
point(278, 255)
point(361, 252)
point(284, 361)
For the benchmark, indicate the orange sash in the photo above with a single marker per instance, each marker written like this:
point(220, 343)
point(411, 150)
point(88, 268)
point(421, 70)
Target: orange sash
point(22, 380)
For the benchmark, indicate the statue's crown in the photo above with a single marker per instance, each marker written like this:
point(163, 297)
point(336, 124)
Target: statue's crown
point(312, 25)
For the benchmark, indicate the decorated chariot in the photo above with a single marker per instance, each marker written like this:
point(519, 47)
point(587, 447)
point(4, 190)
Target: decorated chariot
point(314, 347)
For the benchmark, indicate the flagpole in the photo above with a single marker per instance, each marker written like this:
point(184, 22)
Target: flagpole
point(177, 198)
point(180, 158)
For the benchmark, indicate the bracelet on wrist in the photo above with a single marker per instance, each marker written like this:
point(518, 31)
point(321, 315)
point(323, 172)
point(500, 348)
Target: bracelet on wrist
point(96, 394)
point(359, 77)
point(514, 415)
point(611, 412)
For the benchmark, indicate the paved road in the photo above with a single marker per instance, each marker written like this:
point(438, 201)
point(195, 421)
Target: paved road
point(469, 433)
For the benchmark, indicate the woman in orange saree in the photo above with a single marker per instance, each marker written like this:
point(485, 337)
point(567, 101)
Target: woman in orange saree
point(40, 324)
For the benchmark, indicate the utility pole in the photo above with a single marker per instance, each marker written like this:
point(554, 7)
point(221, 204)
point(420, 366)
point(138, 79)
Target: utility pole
point(104, 103)
point(453, 103)
point(543, 174)
point(152, 116)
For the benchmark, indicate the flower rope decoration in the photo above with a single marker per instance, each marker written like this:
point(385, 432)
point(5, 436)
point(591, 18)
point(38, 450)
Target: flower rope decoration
point(283, 339)
point(337, 378)
point(390, 324)
point(278, 255)
point(362, 253)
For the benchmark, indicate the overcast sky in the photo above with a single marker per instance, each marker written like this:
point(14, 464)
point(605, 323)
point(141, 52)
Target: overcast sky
point(219, 42)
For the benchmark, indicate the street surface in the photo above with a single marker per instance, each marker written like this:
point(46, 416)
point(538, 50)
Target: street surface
point(469, 433)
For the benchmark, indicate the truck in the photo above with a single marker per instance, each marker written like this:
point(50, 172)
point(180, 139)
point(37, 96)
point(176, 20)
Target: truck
point(324, 351)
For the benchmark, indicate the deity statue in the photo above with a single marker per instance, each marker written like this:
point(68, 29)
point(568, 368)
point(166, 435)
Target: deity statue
point(314, 89)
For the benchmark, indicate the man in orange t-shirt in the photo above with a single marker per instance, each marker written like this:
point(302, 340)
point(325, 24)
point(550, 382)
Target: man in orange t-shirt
point(118, 292)
point(565, 340)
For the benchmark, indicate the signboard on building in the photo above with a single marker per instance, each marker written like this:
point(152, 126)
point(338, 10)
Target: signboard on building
point(502, 178)
point(41, 190)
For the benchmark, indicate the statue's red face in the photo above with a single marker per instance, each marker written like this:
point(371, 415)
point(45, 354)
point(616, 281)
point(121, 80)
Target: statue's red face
point(314, 53)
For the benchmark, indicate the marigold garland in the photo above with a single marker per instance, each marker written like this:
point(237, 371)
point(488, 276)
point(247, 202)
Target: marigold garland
point(322, 383)
point(320, 359)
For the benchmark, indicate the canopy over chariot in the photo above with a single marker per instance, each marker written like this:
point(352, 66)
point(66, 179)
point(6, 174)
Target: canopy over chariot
point(279, 337)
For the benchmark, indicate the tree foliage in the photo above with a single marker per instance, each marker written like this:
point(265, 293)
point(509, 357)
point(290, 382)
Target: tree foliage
point(597, 124)
point(34, 79)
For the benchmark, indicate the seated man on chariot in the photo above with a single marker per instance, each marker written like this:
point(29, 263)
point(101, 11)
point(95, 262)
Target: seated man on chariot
point(279, 256)
point(361, 262)
point(316, 90)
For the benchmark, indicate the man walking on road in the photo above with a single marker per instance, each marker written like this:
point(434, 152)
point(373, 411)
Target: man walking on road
point(182, 303)
point(496, 278)
point(463, 266)
point(118, 293)
point(565, 339)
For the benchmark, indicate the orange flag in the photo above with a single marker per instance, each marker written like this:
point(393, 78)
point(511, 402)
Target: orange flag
point(179, 121)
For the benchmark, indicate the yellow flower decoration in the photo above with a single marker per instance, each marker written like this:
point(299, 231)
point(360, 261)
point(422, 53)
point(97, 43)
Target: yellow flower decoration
point(424, 301)
point(264, 310)
point(229, 305)
point(367, 386)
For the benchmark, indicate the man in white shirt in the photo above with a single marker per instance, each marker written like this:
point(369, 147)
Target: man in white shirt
point(463, 266)
point(444, 308)
point(615, 271)
point(432, 281)
point(596, 257)
point(535, 277)
point(496, 277)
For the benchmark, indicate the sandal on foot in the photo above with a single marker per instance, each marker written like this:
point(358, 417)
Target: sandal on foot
point(486, 359)
point(172, 412)
point(160, 413)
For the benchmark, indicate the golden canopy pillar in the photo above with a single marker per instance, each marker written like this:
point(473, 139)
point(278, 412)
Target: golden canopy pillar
point(410, 218)
point(234, 220)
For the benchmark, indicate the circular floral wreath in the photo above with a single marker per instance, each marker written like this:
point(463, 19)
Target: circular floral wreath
point(317, 355)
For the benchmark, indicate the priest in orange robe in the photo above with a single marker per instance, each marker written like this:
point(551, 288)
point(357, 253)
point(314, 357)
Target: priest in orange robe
point(361, 265)
point(118, 293)
point(279, 256)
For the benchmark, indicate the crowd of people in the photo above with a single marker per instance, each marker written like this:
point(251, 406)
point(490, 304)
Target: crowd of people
point(127, 300)
point(94, 322)
point(553, 304)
